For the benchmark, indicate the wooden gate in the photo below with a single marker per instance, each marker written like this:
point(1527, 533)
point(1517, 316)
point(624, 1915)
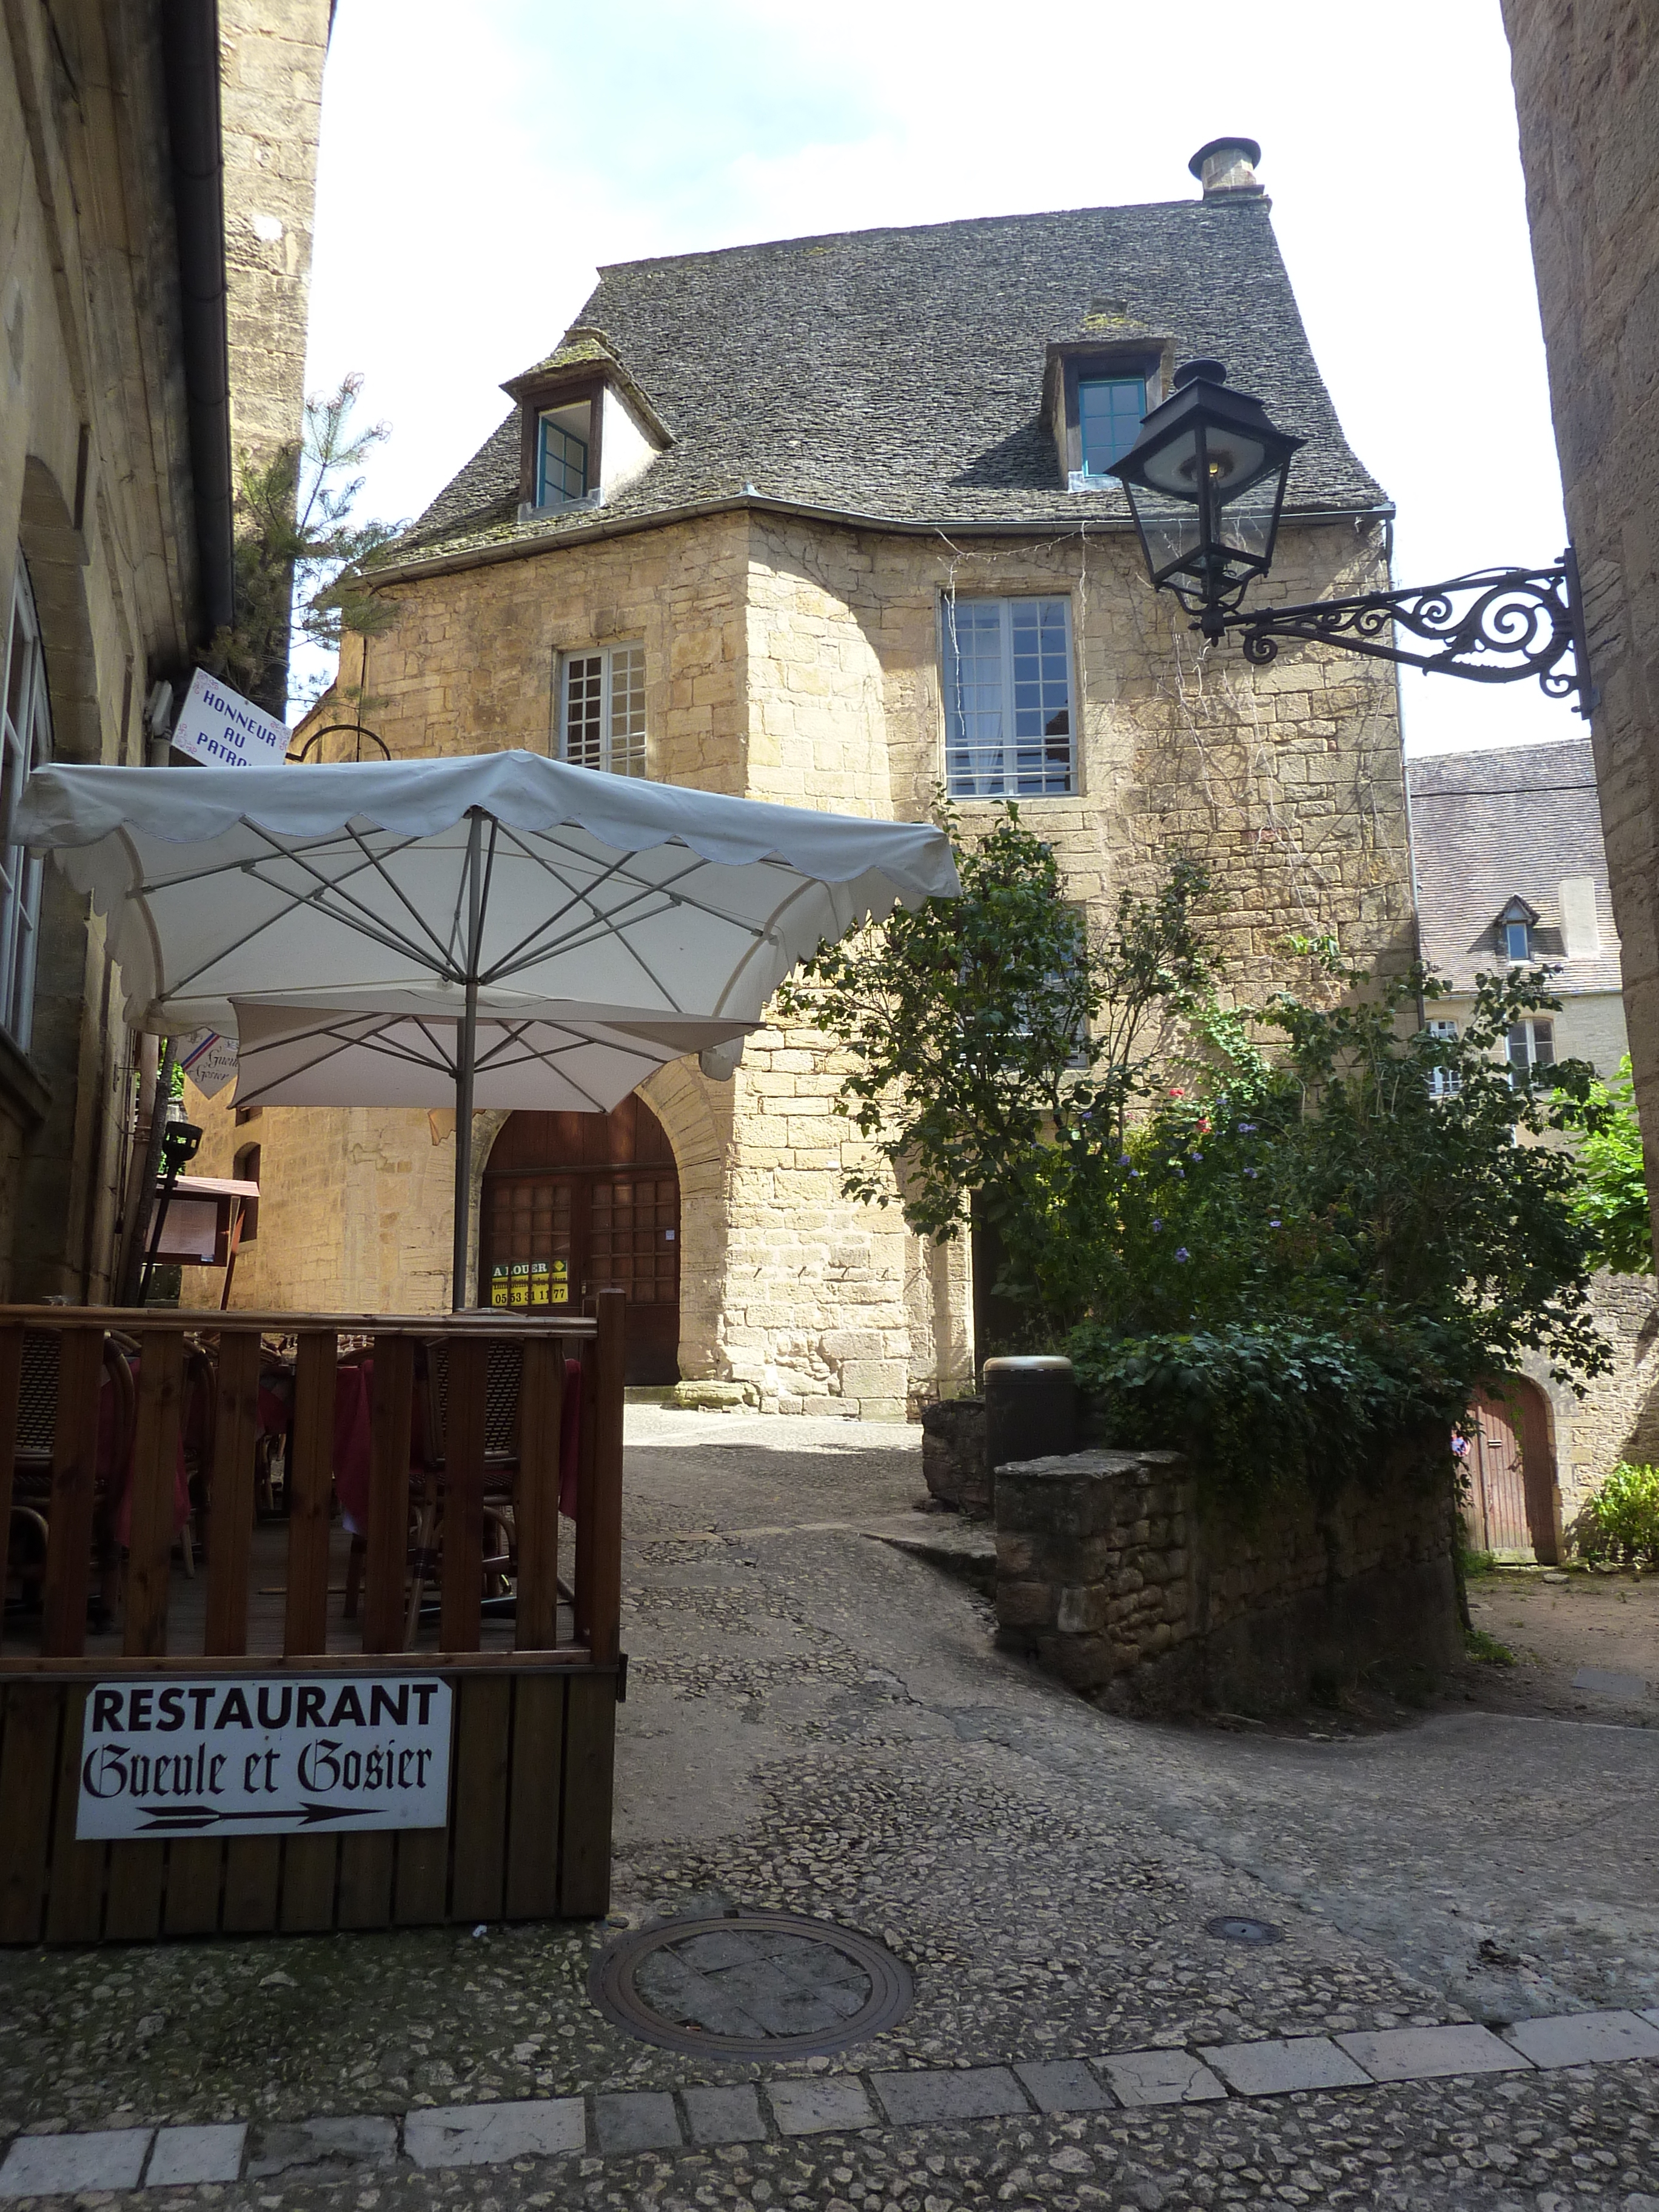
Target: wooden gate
point(532, 1689)
point(1511, 1509)
point(574, 1204)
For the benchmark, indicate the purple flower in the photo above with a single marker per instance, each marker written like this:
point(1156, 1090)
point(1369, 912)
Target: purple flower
point(1124, 1160)
point(1183, 1254)
point(1252, 1173)
point(1275, 1223)
point(1158, 1224)
point(1247, 1128)
point(1134, 1175)
point(1195, 1156)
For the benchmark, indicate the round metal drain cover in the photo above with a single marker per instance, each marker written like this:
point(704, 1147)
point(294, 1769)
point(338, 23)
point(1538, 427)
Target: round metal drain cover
point(751, 1985)
point(1244, 1931)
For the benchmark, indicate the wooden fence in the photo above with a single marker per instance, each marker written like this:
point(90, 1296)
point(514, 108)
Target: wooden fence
point(533, 1721)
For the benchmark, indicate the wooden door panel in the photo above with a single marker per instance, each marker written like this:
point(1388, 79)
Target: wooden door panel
point(1512, 1477)
point(578, 1203)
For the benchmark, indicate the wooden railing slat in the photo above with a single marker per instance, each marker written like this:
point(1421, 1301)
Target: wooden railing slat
point(231, 1501)
point(582, 1579)
point(535, 1508)
point(154, 1472)
point(73, 1486)
point(11, 1384)
point(604, 1570)
point(462, 1494)
point(305, 1619)
point(391, 1411)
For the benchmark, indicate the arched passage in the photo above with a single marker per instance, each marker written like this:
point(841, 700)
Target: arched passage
point(1513, 1509)
point(576, 1203)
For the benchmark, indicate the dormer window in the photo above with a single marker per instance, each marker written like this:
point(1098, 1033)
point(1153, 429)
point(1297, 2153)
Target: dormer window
point(1109, 408)
point(1096, 391)
point(588, 431)
point(562, 455)
point(1515, 927)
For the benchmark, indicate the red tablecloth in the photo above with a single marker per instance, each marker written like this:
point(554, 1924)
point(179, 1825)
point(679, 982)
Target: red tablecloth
point(353, 1442)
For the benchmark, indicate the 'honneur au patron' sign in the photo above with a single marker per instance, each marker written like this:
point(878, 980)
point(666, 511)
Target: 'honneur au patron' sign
point(265, 1755)
point(217, 726)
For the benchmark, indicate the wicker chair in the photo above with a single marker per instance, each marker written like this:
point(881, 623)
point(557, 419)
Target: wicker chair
point(31, 1488)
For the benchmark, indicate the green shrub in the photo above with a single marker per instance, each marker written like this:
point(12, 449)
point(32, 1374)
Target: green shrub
point(1487, 1649)
point(1260, 1407)
point(1620, 1516)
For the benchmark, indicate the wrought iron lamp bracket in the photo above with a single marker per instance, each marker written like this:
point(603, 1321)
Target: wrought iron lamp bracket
point(1497, 626)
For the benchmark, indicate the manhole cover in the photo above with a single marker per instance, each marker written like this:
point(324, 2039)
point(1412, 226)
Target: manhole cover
point(751, 1985)
point(1244, 1931)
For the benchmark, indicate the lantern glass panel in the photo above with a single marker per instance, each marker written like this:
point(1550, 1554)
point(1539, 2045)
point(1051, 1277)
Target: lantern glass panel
point(1172, 528)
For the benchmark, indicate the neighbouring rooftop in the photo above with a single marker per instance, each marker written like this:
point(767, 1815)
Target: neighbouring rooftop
point(1515, 821)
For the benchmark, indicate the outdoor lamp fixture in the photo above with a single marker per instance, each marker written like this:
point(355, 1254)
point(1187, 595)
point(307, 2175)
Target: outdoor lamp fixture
point(1206, 484)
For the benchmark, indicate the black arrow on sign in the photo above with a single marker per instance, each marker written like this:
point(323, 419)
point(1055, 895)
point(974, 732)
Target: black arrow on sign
point(168, 1818)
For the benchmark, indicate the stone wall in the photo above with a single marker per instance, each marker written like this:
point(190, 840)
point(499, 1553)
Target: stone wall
point(1618, 1417)
point(95, 505)
point(272, 56)
point(799, 661)
point(1116, 1576)
point(1587, 95)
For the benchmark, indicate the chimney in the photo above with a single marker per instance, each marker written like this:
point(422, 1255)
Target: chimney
point(1226, 169)
point(1581, 926)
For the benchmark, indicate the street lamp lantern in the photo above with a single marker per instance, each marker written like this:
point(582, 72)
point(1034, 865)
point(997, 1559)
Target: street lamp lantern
point(1205, 482)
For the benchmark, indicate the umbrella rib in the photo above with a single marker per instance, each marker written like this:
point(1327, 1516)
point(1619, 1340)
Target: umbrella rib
point(766, 936)
point(344, 1042)
point(370, 927)
point(602, 924)
point(398, 892)
point(574, 898)
point(372, 924)
point(696, 864)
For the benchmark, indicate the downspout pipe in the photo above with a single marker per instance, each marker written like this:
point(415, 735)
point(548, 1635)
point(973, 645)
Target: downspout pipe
point(190, 63)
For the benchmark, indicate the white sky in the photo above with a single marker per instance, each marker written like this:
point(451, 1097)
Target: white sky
point(478, 162)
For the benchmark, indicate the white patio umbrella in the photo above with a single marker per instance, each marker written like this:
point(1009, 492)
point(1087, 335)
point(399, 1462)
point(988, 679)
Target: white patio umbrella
point(568, 1060)
point(464, 896)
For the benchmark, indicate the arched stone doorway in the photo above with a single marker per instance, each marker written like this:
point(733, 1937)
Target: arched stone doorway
point(576, 1203)
point(1513, 1510)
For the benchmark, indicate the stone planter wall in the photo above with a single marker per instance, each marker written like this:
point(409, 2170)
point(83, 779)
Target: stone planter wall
point(1111, 1574)
point(954, 1462)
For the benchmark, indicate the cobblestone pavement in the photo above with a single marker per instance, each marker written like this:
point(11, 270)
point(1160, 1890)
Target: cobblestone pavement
point(818, 1723)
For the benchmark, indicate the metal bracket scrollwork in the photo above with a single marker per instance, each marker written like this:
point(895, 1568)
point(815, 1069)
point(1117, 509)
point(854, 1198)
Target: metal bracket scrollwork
point(313, 744)
point(1497, 626)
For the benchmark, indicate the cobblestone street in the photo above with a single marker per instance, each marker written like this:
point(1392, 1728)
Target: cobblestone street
point(817, 1722)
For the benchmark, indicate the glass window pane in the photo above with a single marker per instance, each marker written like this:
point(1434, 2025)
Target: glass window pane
point(1110, 410)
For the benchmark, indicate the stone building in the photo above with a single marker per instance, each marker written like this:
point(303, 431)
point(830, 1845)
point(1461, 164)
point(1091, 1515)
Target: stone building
point(1587, 95)
point(822, 521)
point(115, 516)
point(1511, 868)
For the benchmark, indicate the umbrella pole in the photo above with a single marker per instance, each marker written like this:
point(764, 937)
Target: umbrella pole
point(464, 1143)
point(465, 1058)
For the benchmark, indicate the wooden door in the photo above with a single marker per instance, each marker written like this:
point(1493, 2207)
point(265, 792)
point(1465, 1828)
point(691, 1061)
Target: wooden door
point(1511, 1508)
point(578, 1203)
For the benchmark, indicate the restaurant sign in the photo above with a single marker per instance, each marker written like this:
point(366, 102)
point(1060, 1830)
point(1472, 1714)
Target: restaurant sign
point(263, 1755)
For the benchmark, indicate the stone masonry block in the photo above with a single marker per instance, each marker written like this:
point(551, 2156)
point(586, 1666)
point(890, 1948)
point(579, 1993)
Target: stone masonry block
point(1025, 1604)
point(922, 2097)
point(483, 2135)
point(67, 2164)
point(1082, 1610)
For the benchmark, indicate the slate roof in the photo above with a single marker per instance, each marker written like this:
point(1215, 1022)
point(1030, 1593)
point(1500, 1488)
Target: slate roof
point(1487, 827)
point(898, 374)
